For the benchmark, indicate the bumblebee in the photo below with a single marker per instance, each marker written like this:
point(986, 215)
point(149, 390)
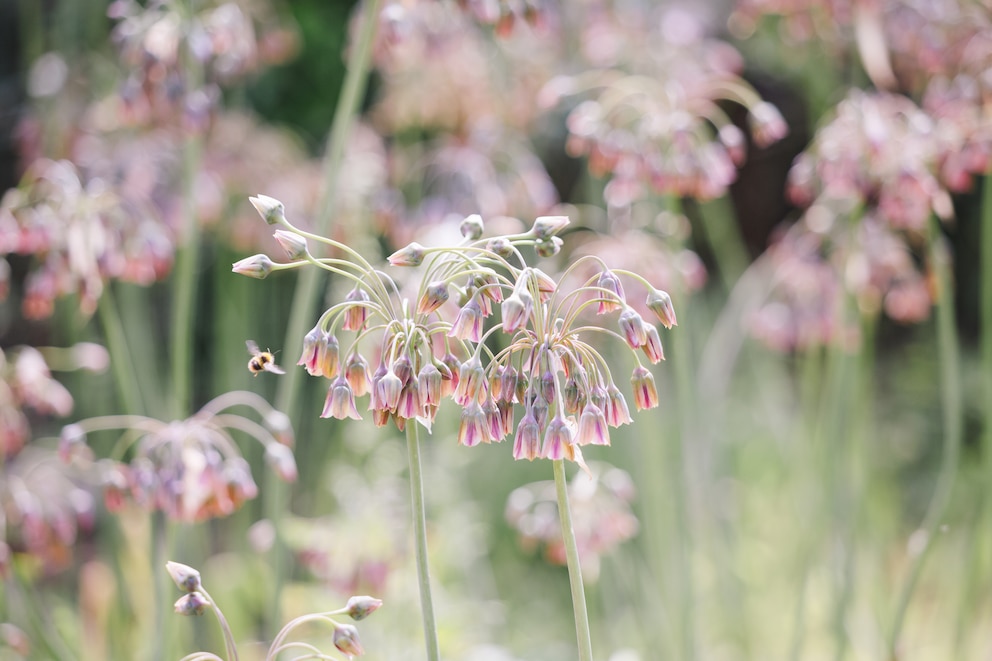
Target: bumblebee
point(262, 361)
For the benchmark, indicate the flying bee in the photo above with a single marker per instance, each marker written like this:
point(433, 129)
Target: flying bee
point(262, 361)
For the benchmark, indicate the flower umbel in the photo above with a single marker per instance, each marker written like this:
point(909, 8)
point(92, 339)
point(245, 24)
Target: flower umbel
point(548, 367)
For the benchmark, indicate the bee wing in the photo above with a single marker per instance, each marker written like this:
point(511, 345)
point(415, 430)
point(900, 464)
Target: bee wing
point(275, 369)
point(252, 347)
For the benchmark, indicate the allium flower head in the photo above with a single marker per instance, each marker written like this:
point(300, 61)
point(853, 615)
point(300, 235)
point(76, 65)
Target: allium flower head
point(191, 469)
point(602, 515)
point(549, 368)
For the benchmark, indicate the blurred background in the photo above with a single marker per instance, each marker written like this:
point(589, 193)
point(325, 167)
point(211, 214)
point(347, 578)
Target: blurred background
point(806, 178)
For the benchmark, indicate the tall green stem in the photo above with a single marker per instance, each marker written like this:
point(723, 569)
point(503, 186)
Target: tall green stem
point(184, 297)
point(121, 363)
point(305, 296)
point(947, 354)
point(582, 634)
point(420, 539)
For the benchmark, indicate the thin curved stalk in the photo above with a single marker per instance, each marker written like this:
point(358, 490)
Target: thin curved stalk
point(579, 608)
point(121, 363)
point(952, 405)
point(305, 296)
point(420, 539)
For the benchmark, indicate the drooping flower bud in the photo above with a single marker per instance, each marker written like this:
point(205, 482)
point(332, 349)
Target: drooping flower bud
point(412, 255)
point(516, 310)
point(767, 124)
point(435, 295)
point(547, 226)
point(548, 247)
point(281, 459)
point(652, 347)
point(360, 607)
point(472, 227)
point(346, 640)
point(294, 244)
point(527, 441)
point(270, 209)
point(185, 577)
point(193, 603)
point(256, 266)
point(311, 351)
point(340, 402)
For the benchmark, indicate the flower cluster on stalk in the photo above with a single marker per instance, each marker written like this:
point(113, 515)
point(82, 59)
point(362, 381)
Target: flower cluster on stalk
point(870, 182)
point(43, 506)
point(601, 510)
point(189, 469)
point(539, 357)
point(658, 122)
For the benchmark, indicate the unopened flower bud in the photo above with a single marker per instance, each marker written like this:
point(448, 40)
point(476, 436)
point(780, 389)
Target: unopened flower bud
point(360, 607)
point(660, 303)
point(269, 208)
point(281, 427)
point(72, 442)
point(412, 255)
point(652, 347)
point(294, 244)
point(346, 640)
point(185, 577)
point(256, 266)
point(547, 226)
point(767, 124)
point(472, 227)
point(501, 246)
point(193, 603)
point(548, 247)
point(280, 458)
point(90, 356)
point(732, 138)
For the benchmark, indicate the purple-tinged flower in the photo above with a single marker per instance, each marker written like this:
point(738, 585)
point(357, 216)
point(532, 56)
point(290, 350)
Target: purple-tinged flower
point(257, 266)
point(388, 390)
point(616, 407)
point(311, 351)
point(412, 255)
point(645, 392)
point(473, 428)
point(356, 371)
point(527, 440)
point(435, 295)
point(633, 328)
point(593, 427)
point(356, 315)
point(612, 299)
point(340, 402)
point(410, 404)
point(468, 323)
point(660, 303)
point(652, 347)
point(328, 355)
point(429, 379)
point(471, 381)
point(557, 439)
point(516, 310)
